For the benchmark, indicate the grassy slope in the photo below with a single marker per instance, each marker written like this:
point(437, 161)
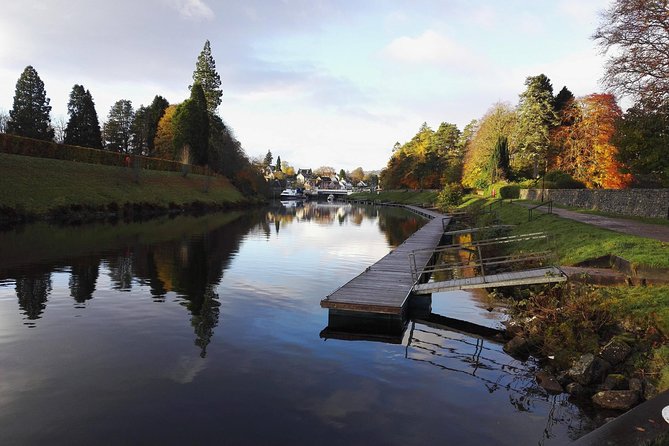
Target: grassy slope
point(402, 196)
point(36, 185)
point(577, 241)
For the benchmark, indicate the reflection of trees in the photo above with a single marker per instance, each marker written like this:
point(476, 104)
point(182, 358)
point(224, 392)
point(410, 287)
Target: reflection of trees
point(120, 271)
point(33, 291)
point(83, 278)
point(206, 320)
point(398, 226)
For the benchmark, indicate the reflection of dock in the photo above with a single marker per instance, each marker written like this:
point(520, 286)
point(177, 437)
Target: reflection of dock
point(384, 287)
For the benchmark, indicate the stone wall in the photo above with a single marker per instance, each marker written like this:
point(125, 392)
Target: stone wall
point(638, 202)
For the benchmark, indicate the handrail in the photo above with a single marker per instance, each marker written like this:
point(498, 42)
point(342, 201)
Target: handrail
point(491, 241)
point(548, 203)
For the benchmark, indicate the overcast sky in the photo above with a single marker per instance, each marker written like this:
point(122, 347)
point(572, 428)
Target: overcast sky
point(318, 82)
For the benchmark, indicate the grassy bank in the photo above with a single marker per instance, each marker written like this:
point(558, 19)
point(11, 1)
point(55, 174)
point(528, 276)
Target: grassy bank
point(573, 319)
point(577, 242)
point(37, 186)
point(424, 197)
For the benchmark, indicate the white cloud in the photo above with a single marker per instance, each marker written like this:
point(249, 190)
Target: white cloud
point(430, 48)
point(193, 9)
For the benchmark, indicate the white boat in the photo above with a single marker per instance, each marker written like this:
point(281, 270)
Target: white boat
point(292, 194)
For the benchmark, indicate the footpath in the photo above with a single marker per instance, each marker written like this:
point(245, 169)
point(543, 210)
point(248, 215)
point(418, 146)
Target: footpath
point(657, 232)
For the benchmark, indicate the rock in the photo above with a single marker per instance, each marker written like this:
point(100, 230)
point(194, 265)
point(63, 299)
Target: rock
point(615, 351)
point(588, 369)
point(615, 381)
point(563, 378)
point(513, 328)
point(548, 382)
point(636, 384)
point(616, 399)
point(518, 347)
point(577, 390)
point(649, 390)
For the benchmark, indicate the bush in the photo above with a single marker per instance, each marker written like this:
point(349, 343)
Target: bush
point(450, 196)
point(509, 191)
point(562, 180)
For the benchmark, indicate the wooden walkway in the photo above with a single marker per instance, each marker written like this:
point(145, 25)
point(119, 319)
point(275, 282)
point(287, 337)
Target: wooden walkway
point(384, 287)
point(527, 277)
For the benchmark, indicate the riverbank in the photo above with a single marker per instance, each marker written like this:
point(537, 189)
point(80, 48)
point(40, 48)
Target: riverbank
point(50, 189)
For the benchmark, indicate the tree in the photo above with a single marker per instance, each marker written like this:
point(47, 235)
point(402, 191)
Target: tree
point(536, 117)
point(278, 163)
point(642, 136)
point(59, 126)
point(191, 126)
point(342, 174)
point(29, 115)
point(268, 159)
point(499, 160)
point(83, 127)
point(357, 175)
point(205, 74)
point(145, 125)
point(588, 153)
point(499, 121)
point(117, 129)
point(562, 99)
point(163, 143)
point(635, 35)
point(4, 118)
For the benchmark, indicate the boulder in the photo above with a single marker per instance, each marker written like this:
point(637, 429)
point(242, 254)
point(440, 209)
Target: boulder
point(615, 381)
point(616, 399)
point(587, 369)
point(649, 390)
point(518, 347)
point(636, 384)
point(548, 382)
point(577, 390)
point(615, 351)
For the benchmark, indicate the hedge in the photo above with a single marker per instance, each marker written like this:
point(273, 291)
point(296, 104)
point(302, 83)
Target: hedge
point(510, 191)
point(19, 145)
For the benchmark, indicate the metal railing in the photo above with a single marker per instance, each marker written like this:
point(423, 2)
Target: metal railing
point(548, 203)
point(478, 265)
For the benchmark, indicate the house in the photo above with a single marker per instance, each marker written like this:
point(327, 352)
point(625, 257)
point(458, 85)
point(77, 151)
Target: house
point(304, 175)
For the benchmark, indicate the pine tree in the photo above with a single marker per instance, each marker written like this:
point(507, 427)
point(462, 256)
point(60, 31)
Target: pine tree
point(30, 114)
point(268, 158)
point(205, 74)
point(278, 163)
point(191, 126)
point(536, 117)
point(118, 128)
point(83, 127)
point(145, 125)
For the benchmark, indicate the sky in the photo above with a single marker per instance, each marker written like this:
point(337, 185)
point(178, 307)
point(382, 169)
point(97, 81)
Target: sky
point(318, 82)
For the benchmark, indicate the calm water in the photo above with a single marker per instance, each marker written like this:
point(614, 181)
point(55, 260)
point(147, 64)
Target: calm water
point(207, 330)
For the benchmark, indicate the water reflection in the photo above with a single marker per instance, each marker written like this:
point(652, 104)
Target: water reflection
point(220, 315)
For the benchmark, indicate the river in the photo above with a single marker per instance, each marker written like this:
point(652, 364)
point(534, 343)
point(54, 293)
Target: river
point(200, 330)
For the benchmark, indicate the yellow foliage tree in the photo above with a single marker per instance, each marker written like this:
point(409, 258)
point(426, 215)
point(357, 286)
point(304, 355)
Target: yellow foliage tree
point(164, 141)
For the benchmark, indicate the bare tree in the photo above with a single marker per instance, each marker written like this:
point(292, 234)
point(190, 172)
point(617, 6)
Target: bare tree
point(4, 117)
point(635, 35)
point(59, 125)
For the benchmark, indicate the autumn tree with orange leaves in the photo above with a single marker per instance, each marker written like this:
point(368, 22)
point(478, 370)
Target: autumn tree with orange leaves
point(584, 148)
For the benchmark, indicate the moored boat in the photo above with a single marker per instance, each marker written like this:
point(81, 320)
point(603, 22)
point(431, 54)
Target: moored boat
point(292, 194)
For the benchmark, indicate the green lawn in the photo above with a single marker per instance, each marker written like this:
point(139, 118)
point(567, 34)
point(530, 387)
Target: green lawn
point(400, 196)
point(38, 185)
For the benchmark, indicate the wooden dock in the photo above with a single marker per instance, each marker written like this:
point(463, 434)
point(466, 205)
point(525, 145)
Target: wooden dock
point(384, 287)
point(527, 277)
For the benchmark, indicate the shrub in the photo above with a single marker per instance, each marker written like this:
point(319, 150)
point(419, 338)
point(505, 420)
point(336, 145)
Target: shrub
point(562, 180)
point(450, 196)
point(509, 191)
